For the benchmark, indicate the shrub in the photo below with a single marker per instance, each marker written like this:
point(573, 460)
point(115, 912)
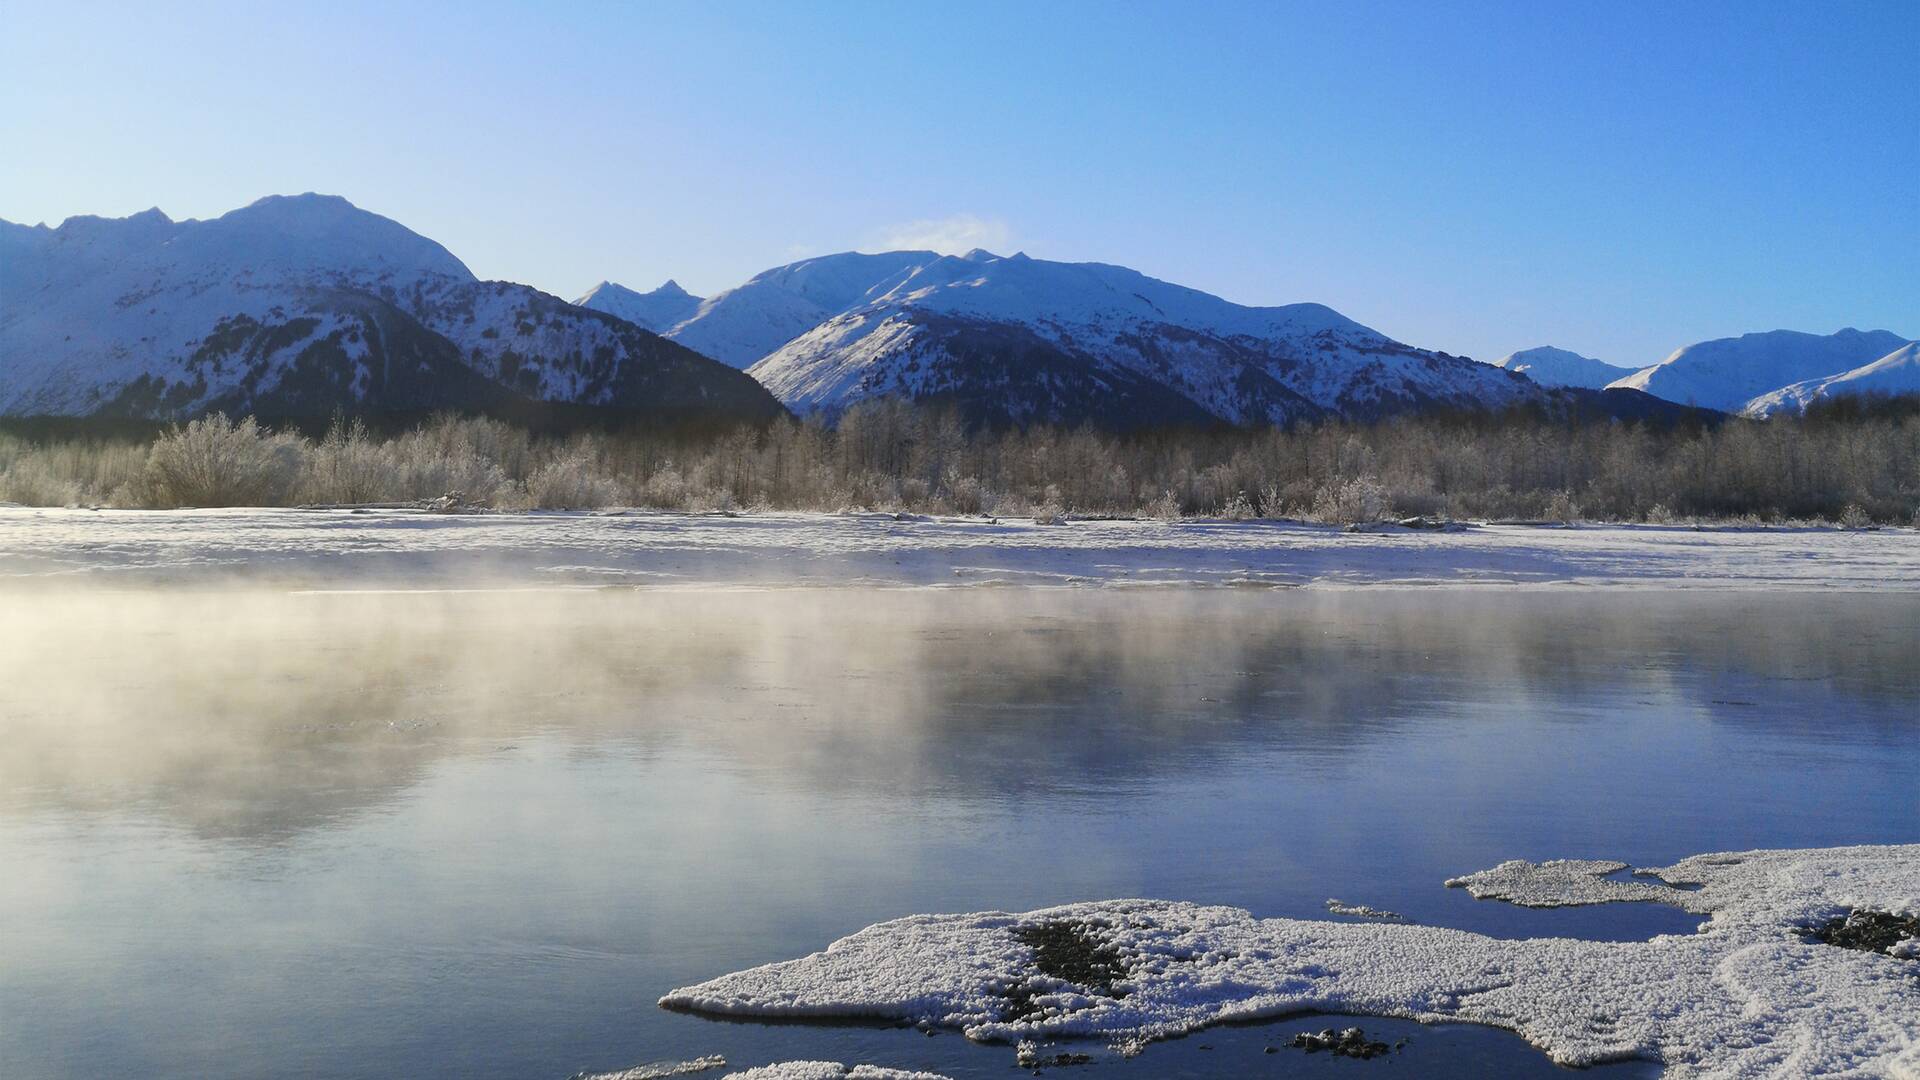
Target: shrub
point(1561, 507)
point(215, 461)
point(572, 481)
point(1165, 508)
point(348, 466)
point(31, 482)
point(1352, 502)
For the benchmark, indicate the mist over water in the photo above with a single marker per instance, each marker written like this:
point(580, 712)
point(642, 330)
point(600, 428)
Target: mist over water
point(253, 831)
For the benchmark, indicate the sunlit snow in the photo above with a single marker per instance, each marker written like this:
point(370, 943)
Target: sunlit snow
point(1748, 995)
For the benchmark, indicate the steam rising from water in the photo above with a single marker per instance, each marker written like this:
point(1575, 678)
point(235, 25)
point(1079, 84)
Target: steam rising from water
point(258, 713)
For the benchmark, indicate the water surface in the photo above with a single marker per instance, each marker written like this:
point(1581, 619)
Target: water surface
point(344, 835)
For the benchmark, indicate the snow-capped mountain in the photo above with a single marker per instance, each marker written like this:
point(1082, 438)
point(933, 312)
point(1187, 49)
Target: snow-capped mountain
point(659, 311)
point(1898, 372)
point(1549, 366)
point(303, 305)
point(1015, 340)
point(1728, 373)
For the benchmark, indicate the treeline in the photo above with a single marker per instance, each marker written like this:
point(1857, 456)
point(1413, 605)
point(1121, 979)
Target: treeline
point(1856, 463)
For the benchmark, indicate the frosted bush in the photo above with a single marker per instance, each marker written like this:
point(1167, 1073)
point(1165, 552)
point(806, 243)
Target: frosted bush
point(969, 496)
point(1352, 502)
point(348, 466)
point(215, 461)
point(572, 481)
point(30, 482)
point(1272, 500)
point(1855, 517)
point(914, 492)
point(426, 464)
point(665, 489)
point(1239, 508)
point(712, 501)
point(1561, 507)
point(1165, 508)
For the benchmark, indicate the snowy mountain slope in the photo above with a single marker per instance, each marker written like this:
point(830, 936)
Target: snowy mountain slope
point(743, 324)
point(307, 304)
point(1898, 372)
point(947, 327)
point(1727, 373)
point(659, 311)
point(1549, 366)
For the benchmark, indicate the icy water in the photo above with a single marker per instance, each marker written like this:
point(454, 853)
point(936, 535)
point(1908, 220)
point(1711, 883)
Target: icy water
point(374, 835)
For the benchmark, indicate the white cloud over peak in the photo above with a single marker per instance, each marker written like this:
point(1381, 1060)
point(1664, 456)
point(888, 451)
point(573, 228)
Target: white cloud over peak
point(953, 235)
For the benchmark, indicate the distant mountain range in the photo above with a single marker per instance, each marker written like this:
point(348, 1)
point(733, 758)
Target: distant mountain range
point(301, 306)
point(1011, 340)
point(1549, 366)
point(1898, 372)
point(1780, 370)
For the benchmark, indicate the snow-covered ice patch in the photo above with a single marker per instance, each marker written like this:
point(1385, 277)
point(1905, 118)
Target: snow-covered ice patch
point(827, 1070)
point(1337, 906)
point(660, 1070)
point(1749, 995)
point(1563, 883)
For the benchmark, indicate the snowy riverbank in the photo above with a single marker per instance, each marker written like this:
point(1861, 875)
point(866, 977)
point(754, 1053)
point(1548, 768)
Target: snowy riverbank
point(400, 549)
point(1751, 994)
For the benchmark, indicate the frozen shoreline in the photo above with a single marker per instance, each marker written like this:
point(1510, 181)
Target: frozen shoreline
point(401, 549)
point(1748, 995)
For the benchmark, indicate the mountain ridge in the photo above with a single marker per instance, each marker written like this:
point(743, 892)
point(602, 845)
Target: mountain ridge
point(297, 304)
point(1550, 366)
point(1064, 342)
point(1730, 373)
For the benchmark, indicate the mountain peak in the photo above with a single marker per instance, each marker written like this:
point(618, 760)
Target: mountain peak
point(1551, 366)
point(307, 202)
point(1730, 373)
point(658, 311)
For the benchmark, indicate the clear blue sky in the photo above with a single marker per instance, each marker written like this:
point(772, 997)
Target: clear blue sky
point(1618, 179)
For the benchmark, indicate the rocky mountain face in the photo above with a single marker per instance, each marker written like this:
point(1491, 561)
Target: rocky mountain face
point(306, 305)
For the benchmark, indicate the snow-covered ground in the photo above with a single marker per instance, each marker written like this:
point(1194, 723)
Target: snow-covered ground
point(1749, 995)
point(400, 549)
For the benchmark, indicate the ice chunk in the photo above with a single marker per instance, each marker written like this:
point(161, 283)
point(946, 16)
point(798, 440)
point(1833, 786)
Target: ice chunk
point(659, 1070)
point(1562, 883)
point(827, 1070)
point(1362, 911)
point(1749, 995)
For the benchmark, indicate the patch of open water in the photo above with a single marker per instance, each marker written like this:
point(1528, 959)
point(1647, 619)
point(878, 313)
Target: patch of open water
point(479, 834)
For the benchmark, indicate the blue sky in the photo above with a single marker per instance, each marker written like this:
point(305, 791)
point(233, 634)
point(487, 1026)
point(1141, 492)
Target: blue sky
point(1618, 179)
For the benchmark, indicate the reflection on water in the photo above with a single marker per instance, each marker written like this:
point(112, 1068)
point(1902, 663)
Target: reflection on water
point(361, 834)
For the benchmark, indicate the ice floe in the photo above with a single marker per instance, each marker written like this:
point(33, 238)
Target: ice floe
point(827, 1070)
point(1361, 911)
point(659, 1070)
point(1751, 995)
point(1563, 883)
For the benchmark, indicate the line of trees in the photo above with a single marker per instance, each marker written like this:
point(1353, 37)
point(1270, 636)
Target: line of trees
point(1857, 463)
